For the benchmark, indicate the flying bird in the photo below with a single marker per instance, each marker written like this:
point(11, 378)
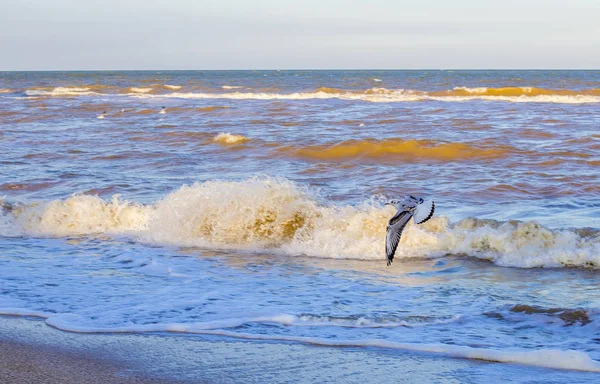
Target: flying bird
point(422, 210)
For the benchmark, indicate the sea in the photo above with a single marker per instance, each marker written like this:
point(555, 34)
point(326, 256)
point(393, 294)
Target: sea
point(250, 206)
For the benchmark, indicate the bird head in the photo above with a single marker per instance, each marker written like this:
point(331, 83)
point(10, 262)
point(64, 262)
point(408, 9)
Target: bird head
point(409, 203)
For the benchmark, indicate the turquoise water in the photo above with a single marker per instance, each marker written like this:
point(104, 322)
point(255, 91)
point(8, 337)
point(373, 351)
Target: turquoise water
point(249, 204)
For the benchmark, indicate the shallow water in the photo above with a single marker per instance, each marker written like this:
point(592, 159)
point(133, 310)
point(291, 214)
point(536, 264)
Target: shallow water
point(253, 207)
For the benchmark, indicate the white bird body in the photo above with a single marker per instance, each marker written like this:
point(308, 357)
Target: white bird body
point(421, 210)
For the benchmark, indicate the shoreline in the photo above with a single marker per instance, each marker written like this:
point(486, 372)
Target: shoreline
point(33, 352)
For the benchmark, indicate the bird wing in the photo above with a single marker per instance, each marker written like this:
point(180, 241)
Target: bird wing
point(424, 211)
point(394, 232)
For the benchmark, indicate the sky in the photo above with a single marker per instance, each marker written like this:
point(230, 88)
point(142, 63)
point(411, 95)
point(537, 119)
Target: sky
point(304, 34)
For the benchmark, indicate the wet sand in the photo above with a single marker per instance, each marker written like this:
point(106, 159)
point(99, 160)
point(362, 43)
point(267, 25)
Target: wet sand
point(22, 363)
point(33, 352)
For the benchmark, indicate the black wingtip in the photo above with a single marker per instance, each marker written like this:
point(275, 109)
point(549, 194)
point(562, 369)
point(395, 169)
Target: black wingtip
point(430, 214)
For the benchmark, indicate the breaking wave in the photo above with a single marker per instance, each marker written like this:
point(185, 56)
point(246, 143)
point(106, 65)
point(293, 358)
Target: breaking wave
point(61, 91)
point(228, 138)
point(376, 94)
point(140, 90)
point(80, 214)
point(280, 216)
point(507, 94)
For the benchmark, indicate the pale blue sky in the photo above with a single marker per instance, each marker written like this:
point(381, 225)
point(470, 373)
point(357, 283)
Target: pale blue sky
point(283, 34)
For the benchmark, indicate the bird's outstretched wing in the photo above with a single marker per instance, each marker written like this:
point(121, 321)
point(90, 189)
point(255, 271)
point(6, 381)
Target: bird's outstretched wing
point(394, 232)
point(424, 211)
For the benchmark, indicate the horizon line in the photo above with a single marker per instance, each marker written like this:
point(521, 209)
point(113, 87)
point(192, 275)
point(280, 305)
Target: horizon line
point(301, 69)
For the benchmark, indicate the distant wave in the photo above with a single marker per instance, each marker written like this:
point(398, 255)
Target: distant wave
point(277, 215)
point(382, 95)
point(507, 94)
point(228, 138)
point(140, 90)
point(61, 91)
point(517, 91)
point(395, 148)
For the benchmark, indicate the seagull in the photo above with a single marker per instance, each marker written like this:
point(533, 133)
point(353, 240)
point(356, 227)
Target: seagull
point(101, 116)
point(163, 111)
point(422, 211)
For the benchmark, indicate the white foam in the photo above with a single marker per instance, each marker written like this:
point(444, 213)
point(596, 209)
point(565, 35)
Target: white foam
point(228, 138)
point(140, 90)
point(279, 216)
point(382, 95)
point(61, 91)
point(82, 214)
point(547, 358)
point(376, 95)
point(396, 97)
point(471, 90)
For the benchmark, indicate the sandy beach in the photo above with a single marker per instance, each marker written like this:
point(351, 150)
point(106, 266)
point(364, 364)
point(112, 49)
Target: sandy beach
point(33, 352)
point(23, 363)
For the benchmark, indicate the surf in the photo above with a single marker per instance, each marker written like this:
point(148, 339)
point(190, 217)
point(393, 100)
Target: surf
point(276, 215)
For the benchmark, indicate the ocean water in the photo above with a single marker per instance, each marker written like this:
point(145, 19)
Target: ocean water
point(250, 205)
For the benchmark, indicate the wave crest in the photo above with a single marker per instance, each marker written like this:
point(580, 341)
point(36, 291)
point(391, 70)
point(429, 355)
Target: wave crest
point(517, 92)
point(375, 94)
point(228, 138)
point(60, 91)
point(82, 214)
point(256, 212)
point(383, 95)
point(396, 148)
point(280, 216)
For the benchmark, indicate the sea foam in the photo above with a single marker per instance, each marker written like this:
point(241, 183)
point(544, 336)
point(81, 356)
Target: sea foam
point(279, 216)
point(61, 91)
point(547, 358)
point(383, 95)
point(375, 94)
point(228, 138)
